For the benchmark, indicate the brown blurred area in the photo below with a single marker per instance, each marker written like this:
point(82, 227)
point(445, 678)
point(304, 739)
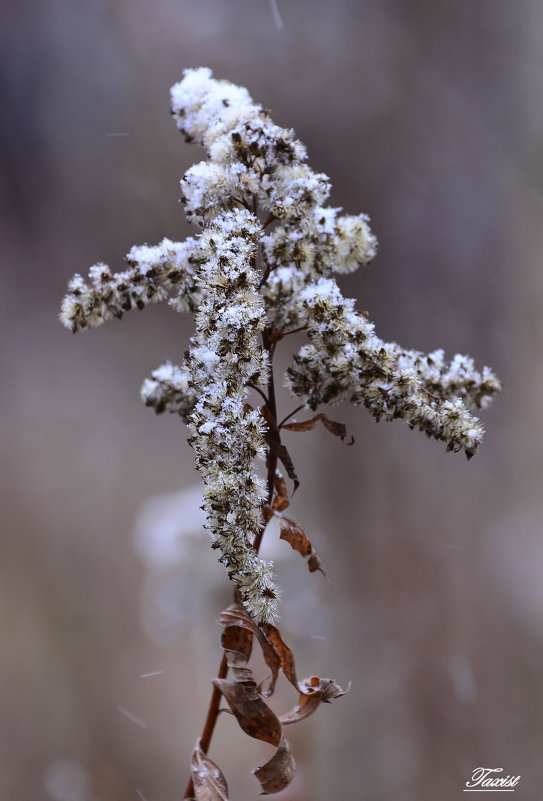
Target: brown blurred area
point(426, 114)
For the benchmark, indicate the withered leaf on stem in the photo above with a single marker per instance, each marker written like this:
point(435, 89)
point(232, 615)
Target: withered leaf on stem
point(235, 616)
point(207, 778)
point(244, 697)
point(276, 447)
point(253, 715)
point(335, 428)
point(284, 652)
point(277, 774)
point(297, 538)
point(313, 693)
point(240, 640)
point(284, 457)
point(237, 644)
point(281, 501)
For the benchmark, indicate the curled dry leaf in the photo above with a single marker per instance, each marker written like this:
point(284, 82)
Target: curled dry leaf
point(297, 538)
point(237, 644)
point(253, 715)
point(313, 693)
point(207, 778)
point(237, 639)
point(235, 616)
point(277, 774)
point(283, 651)
point(284, 457)
point(281, 501)
point(335, 428)
point(244, 697)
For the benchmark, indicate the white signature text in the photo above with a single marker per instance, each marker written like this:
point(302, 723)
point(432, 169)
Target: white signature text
point(485, 779)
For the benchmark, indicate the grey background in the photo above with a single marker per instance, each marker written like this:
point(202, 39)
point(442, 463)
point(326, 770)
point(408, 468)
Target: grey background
point(427, 115)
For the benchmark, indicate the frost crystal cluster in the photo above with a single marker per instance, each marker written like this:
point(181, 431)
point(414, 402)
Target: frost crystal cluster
point(263, 266)
point(224, 359)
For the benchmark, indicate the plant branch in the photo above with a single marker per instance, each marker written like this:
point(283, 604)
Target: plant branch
point(294, 331)
point(284, 420)
point(211, 720)
point(262, 394)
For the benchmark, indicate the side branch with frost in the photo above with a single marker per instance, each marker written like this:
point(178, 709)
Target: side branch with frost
point(347, 361)
point(264, 265)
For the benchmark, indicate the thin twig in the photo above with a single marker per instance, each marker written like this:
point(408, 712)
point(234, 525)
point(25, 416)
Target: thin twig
point(262, 394)
point(284, 420)
point(294, 331)
point(267, 270)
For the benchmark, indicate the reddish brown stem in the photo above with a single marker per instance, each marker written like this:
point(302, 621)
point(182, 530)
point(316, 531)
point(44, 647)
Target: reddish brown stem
point(211, 720)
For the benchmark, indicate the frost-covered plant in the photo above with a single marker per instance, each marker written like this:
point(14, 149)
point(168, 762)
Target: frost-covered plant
point(261, 268)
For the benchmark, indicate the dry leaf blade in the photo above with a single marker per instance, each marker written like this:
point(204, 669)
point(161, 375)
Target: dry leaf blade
point(298, 540)
point(313, 693)
point(281, 501)
point(335, 428)
point(284, 652)
point(277, 774)
point(253, 715)
point(236, 616)
point(207, 778)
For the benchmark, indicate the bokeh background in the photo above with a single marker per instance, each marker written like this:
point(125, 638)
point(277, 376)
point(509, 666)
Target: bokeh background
point(428, 115)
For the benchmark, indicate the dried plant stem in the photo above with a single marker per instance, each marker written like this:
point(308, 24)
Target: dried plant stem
point(271, 467)
point(211, 720)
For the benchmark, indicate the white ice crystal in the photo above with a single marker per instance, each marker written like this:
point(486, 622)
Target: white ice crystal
point(347, 361)
point(168, 390)
point(225, 359)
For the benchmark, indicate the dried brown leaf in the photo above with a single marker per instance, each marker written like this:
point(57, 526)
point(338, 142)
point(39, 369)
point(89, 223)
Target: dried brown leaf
point(238, 639)
point(297, 538)
point(253, 715)
point(295, 535)
point(235, 616)
point(268, 417)
point(335, 428)
point(284, 457)
point(302, 425)
point(207, 778)
point(284, 652)
point(244, 696)
point(281, 501)
point(237, 644)
point(277, 774)
point(307, 704)
point(313, 693)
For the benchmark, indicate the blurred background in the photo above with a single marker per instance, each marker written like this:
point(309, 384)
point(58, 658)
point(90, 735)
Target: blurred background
point(428, 116)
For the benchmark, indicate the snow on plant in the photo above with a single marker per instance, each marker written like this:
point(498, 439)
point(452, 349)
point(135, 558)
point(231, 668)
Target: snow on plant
point(261, 268)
